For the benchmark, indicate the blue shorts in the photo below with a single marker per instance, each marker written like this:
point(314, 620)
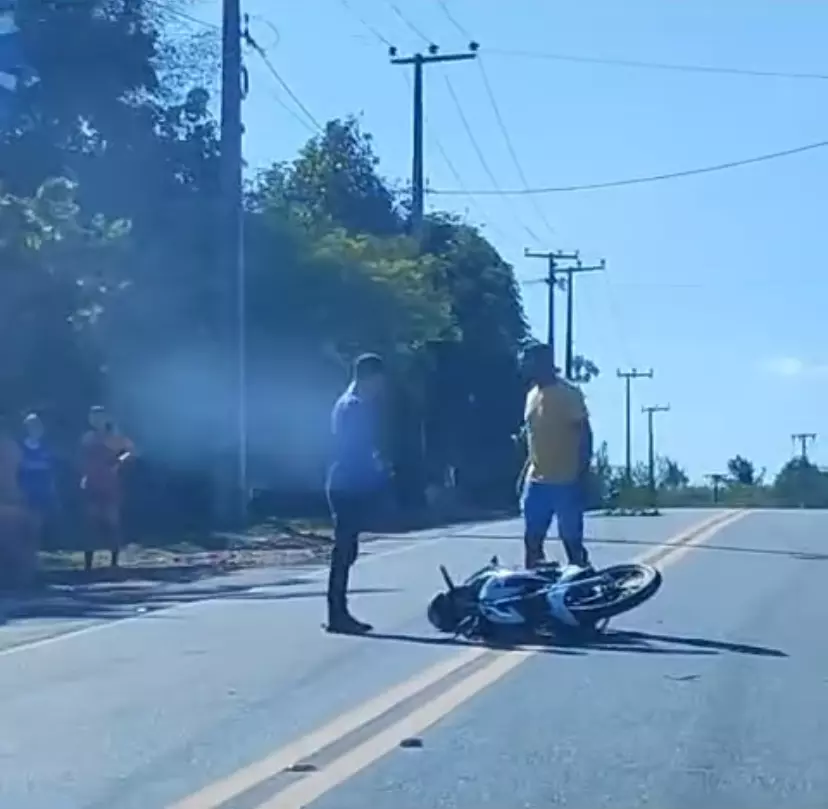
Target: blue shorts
point(542, 502)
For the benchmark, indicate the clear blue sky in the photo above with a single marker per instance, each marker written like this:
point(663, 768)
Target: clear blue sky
point(717, 282)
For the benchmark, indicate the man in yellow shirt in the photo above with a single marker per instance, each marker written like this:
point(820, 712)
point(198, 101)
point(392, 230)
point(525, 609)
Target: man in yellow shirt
point(559, 443)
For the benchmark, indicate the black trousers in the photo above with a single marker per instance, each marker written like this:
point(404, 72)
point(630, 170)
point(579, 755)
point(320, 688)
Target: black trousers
point(350, 512)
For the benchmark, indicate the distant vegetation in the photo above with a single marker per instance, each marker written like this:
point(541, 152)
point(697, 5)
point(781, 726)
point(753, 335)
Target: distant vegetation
point(799, 484)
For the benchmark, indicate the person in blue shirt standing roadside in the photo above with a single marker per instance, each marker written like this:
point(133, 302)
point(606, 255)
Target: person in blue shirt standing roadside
point(355, 481)
point(36, 473)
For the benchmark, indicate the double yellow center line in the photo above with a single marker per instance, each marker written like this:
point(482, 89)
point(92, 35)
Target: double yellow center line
point(468, 673)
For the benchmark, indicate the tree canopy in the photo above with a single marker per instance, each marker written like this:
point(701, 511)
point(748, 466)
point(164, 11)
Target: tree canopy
point(112, 287)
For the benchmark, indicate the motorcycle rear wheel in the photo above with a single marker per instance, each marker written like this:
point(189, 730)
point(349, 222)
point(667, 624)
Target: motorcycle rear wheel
point(626, 587)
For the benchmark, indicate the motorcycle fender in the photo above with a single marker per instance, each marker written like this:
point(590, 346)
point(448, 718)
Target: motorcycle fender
point(557, 607)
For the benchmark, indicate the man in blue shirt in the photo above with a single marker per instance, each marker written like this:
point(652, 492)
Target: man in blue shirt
point(355, 480)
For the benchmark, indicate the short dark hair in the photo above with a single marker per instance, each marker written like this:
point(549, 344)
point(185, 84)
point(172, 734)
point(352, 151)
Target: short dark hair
point(367, 366)
point(538, 362)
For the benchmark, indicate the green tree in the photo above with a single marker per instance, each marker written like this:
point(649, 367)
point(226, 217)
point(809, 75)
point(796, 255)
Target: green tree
point(463, 392)
point(583, 369)
point(477, 403)
point(50, 297)
point(801, 484)
point(335, 179)
point(670, 474)
point(600, 486)
point(742, 471)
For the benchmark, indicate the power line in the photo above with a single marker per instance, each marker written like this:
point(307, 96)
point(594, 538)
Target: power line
point(365, 24)
point(479, 152)
point(432, 135)
point(453, 20)
point(303, 122)
point(615, 316)
point(510, 145)
point(652, 178)
point(459, 180)
point(284, 85)
point(663, 66)
point(465, 33)
point(408, 24)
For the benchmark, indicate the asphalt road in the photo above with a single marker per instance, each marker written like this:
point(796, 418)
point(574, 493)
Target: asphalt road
point(710, 695)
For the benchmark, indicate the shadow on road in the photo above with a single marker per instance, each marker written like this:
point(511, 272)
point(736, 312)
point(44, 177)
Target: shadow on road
point(438, 640)
point(792, 553)
point(635, 642)
point(112, 602)
point(651, 643)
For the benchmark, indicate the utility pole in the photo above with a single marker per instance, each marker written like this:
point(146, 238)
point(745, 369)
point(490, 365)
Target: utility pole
point(651, 411)
point(418, 60)
point(552, 259)
point(803, 439)
point(570, 273)
point(628, 377)
point(231, 254)
point(716, 479)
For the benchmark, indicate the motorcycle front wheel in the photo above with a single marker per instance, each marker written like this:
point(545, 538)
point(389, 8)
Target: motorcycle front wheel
point(621, 588)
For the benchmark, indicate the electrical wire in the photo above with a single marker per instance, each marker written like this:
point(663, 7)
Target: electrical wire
point(652, 178)
point(282, 83)
point(473, 203)
point(432, 135)
point(617, 321)
point(497, 113)
point(303, 122)
point(510, 145)
point(408, 24)
point(266, 22)
point(365, 24)
point(453, 20)
point(480, 156)
point(664, 66)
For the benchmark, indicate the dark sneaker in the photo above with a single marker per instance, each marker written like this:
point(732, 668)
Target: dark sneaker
point(347, 625)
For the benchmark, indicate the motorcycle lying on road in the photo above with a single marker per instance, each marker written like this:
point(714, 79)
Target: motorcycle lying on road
point(498, 603)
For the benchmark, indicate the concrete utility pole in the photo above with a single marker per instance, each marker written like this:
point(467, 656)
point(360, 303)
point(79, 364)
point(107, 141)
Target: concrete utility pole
point(231, 255)
point(650, 411)
point(551, 279)
point(417, 176)
point(803, 439)
point(570, 273)
point(628, 377)
point(716, 479)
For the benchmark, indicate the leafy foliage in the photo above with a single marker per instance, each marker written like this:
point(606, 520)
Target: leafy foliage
point(138, 315)
point(741, 470)
point(112, 287)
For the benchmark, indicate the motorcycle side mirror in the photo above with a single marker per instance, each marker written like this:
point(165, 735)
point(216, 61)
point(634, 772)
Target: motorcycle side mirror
point(447, 578)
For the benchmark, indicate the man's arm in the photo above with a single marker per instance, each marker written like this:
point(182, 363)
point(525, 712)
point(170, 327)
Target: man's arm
point(585, 445)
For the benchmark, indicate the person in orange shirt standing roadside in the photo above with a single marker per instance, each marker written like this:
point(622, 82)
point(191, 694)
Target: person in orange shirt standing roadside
point(103, 452)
